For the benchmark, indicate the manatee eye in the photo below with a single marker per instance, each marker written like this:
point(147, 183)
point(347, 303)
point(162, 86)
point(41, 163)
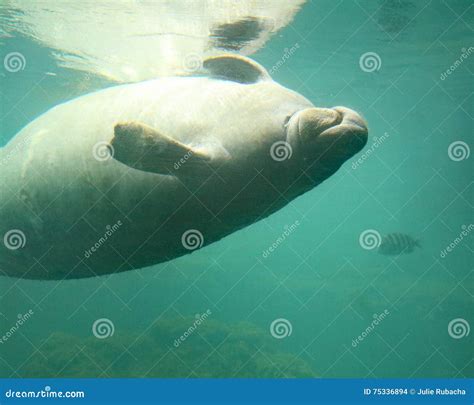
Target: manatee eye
point(287, 119)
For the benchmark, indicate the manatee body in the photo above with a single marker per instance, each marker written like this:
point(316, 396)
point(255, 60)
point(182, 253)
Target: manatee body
point(139, 174)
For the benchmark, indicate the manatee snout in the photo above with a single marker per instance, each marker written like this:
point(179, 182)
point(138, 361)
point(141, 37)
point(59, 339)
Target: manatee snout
point(327, 137)
point(331, 127)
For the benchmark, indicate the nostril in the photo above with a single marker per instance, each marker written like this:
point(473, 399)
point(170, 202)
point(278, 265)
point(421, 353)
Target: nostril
point(287, 120)
point(350, 117)
point(328, 117)
point(315, 121)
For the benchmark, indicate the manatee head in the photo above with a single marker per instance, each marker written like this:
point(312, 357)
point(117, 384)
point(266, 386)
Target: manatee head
point(261, 139)
point(322, 139)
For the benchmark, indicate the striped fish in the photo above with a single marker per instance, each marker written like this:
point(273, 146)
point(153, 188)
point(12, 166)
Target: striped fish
point(397, 243)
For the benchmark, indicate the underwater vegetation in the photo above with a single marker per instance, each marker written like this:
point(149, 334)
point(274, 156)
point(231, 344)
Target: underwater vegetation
point(213, 350)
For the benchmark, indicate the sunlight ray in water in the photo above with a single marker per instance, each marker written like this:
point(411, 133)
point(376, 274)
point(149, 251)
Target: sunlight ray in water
point(145, 39)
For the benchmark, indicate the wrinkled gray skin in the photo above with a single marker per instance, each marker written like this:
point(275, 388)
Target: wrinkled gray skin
point(63, 198)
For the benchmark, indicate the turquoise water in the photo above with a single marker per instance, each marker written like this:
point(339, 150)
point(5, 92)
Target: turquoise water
point(321, 280)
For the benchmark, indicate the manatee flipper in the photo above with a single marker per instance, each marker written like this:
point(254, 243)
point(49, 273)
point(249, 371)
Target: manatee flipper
point(235, 68)
point(142, 147)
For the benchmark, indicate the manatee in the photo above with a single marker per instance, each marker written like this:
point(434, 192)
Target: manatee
point(140, 174)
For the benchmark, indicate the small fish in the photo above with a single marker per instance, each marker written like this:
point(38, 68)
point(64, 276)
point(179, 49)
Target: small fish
point(397, 243)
